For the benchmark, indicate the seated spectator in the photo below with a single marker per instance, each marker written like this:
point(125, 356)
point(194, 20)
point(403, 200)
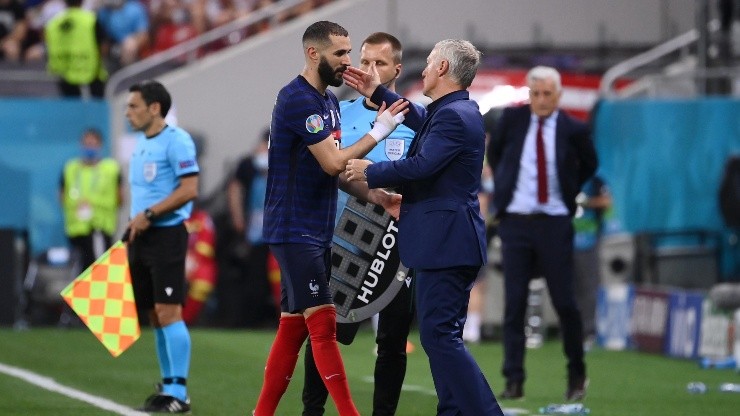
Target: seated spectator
point(126, 23)
point(13, 29)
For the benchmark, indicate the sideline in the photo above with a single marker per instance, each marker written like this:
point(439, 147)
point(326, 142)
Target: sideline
point(51, 385)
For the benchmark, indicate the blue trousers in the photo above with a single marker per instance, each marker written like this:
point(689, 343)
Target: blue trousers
point(442, 301)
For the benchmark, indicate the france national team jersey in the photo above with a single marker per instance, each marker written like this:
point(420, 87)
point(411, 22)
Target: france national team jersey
point(301, 199)
point(357, 119)
point(155, 168)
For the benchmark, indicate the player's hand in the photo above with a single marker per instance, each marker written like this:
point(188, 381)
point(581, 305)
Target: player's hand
point(355, 170)
point(392, 205)
point(388, 119)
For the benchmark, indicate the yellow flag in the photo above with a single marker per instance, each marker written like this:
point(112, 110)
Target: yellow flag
point(103, 298)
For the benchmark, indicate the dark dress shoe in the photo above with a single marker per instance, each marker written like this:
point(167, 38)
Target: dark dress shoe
point(576, 389)
point(514, 390)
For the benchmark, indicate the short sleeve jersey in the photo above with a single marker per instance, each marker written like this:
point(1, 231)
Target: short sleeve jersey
point(301, 199)
point(155, 169)
point(357, 119)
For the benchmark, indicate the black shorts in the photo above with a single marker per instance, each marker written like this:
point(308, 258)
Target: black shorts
point(304, 275)
point(157, 262)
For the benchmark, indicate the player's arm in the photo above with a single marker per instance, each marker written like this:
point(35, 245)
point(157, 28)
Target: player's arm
point(390, 201)
point(333, 160)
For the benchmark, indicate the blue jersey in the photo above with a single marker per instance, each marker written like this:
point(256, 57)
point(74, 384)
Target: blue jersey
point(358, 118)
point(301, 199)
point(156, 166)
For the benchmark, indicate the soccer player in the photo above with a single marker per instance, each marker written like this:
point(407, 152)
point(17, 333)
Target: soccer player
point(163, 177)
point(381, 51)
point(306, 157)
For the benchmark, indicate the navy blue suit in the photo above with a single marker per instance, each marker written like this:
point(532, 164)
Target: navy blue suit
point(442, 237)
point(538, 244)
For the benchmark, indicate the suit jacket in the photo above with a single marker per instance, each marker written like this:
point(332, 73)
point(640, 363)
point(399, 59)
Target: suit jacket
point(575, 155)
point(440, 224)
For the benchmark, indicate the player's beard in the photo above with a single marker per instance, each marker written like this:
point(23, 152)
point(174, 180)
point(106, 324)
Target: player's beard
point(329, 75)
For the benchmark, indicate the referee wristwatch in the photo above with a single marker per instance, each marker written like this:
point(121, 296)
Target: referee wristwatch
point(149, 214)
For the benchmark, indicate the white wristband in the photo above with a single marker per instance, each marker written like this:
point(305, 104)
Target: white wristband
point(379, 132)
point(384, 125)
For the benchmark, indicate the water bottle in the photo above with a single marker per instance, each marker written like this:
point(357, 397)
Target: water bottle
point(729, 388)
point(719, 362)
point(696, 387)
point(564, 409)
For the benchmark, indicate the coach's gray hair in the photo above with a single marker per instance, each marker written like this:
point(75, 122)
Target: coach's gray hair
point(542, 73)
point(462, 57)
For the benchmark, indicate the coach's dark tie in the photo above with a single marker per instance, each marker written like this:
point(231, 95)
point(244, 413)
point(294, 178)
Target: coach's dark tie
point(541, 165)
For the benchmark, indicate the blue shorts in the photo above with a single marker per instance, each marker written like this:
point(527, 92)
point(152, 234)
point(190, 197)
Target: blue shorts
point(304, 275)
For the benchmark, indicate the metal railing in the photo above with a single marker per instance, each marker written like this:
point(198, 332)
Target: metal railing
point(687, 81)
point(623, 68)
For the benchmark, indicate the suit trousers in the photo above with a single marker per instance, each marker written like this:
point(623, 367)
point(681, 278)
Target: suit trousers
point(442, 301)
point(533, 246)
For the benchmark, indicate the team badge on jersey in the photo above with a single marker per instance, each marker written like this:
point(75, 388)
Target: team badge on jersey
point(394, 148)
point(314, 123)
point(150, 171)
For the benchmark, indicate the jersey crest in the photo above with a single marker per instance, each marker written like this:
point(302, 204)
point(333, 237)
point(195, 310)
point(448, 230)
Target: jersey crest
point(394, 148)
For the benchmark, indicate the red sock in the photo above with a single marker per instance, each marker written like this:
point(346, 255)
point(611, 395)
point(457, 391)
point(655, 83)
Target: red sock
point(322, 327)
point(281, 362)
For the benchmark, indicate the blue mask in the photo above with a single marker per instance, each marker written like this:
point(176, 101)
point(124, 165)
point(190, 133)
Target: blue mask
point(90, 153)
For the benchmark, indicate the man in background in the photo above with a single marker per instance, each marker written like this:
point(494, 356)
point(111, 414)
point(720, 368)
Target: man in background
point(76, 43)
point(91, 192)
point(540, 157)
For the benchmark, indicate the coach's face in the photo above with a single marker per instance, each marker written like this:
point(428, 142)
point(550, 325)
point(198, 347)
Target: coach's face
point(544, 97)
point(334, 59)
point(430, 74)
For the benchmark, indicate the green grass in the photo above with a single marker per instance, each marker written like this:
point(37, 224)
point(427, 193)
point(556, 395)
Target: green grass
point(227, 366)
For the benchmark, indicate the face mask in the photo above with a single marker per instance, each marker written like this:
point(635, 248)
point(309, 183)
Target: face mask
point(260, 161)
point(487, 185)
point(90, 153)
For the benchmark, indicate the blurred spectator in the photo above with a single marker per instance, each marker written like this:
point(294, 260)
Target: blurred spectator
point(126, 23)
point(75, 42)
point(200, 263)
point(91, 192)
point(588, 224)
point(38, 14)
point(13, 29)
point(172, 24)
point(246, 296)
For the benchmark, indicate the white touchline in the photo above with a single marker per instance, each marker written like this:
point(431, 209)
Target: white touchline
point(51, 385)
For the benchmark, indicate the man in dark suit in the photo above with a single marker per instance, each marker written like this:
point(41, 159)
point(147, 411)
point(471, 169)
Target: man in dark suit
point(540, 157)
point(441, 232)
